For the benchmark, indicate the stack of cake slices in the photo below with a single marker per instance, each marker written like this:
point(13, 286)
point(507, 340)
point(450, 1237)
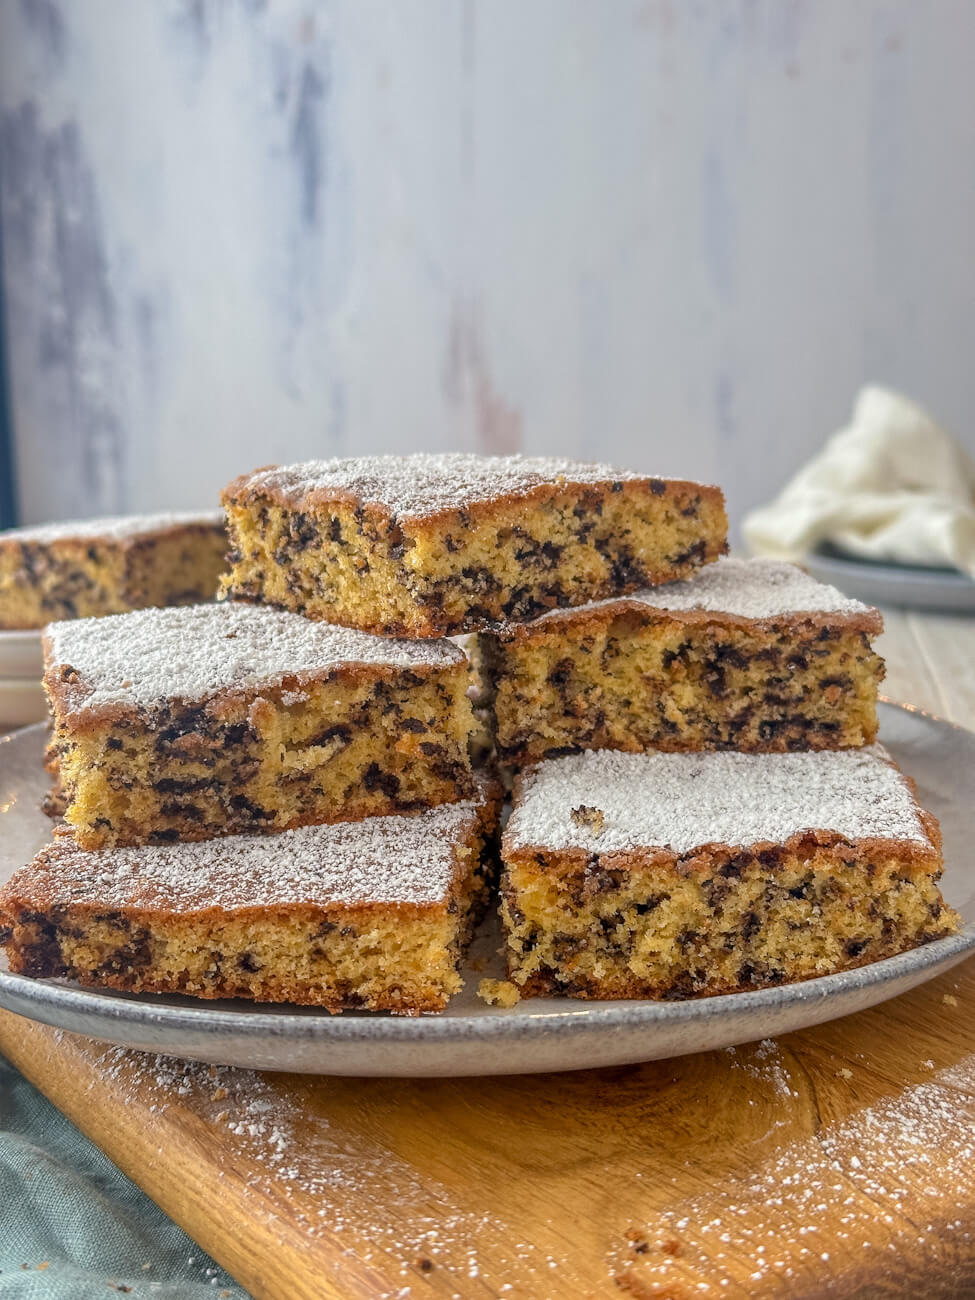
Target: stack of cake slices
point(287, 796)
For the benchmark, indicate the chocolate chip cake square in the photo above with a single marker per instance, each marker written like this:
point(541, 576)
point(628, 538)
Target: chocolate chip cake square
point(372, 914)
point(429, 546)
point(108, 566)
point(747, 654)
point(675, 875)
point(212, 719)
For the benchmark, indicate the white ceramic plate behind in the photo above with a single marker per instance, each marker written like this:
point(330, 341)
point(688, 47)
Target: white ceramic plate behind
point(21, 654)
point(471, 1038)
point(21, 701)
point(877, 583)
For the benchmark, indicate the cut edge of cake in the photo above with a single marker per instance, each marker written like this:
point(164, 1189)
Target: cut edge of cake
point(215, 720)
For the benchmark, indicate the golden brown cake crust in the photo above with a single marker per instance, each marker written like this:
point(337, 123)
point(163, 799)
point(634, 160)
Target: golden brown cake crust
point(747, 593)
point(220, 719)
point(251, 488)
point(66, 691)
point(588, 618)
point(703, 861)
point(922, 846)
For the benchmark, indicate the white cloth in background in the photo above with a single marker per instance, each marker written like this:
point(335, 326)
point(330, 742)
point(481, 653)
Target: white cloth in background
point(892, 486)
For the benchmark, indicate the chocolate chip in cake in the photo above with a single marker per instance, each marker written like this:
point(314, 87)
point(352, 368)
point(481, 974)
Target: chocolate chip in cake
point(374, 778)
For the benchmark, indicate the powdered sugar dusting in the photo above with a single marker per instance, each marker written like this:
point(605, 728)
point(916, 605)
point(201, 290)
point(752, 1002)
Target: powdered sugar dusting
point(288, 1153)
point(116, 529)
point(864, 1194)
point(424, 484)
point(756, 588)
point(684, 801)
point(379, 860)
point(866, 1199)
point(195, 652)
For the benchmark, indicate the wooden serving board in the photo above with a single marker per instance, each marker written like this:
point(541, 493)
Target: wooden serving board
point(838, 1161)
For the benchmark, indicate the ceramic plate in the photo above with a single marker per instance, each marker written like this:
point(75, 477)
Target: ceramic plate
point(913, 586)
point(21, 654)
point(21, 701)
point(471, 1038)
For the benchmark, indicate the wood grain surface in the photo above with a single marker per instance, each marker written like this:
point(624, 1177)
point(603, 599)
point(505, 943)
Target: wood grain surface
point(838, 1161)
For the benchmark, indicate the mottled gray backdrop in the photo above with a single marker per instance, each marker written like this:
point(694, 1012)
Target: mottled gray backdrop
point(677, 233)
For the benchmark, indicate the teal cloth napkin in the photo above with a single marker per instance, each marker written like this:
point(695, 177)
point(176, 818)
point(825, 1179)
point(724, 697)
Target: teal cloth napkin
point(64, 1204)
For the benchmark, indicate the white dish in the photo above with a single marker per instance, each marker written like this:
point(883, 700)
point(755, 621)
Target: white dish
point(471, 1038)
point(21, 654)
point(878, 583)
point(21, 702)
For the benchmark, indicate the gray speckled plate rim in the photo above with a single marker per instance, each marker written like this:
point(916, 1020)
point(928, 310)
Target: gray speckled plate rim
point(882, 582)
point(35, 997)
point(68, 1006)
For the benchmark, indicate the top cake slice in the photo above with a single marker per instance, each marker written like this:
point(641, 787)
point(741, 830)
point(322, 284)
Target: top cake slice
point(428, 546)
point(94, 567)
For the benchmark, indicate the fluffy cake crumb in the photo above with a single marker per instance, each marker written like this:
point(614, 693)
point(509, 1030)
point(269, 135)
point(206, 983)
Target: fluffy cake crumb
point(185, 724)
point(98, 567)
point(747, 655)
point(372, 914)
point(499, 993)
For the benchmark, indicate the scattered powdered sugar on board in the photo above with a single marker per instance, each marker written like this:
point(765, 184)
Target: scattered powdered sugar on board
point(793, 1210)
point(874, 1183)
point(765, 1064)
point(753, 589)
point(115, 529)
point(380, 860)
point(331, 1180)
point(410, 487)
point(196, 652)
point(686, 800)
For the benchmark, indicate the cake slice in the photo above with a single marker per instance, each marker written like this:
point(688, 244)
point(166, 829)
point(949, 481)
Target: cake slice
point(108, 566)
point(213, 719)
point(429, 546)
point(672, 875)
point(372, 914)
point(748, 654)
